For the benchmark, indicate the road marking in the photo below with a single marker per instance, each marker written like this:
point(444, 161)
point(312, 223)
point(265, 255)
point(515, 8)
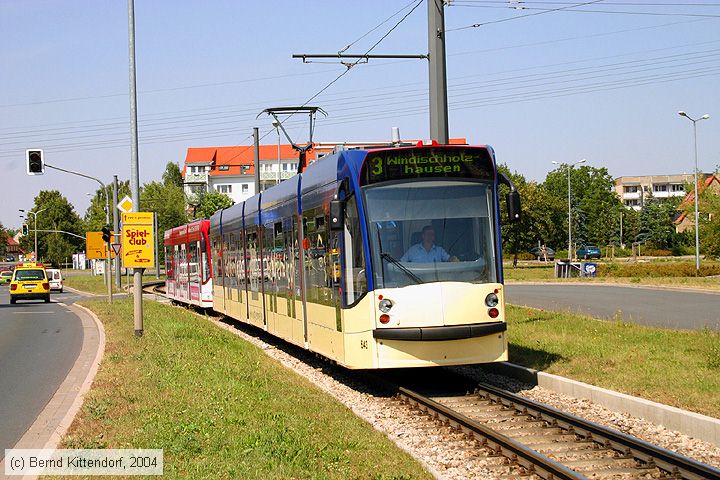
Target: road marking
point(31, 312)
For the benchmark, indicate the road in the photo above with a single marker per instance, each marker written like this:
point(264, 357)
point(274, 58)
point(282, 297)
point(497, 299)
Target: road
point(39, 343)
point(665, 308)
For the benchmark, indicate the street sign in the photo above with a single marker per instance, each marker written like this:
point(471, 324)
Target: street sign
point(125, 205)
point(115, 248)
point(138, 240)
point(95, 247)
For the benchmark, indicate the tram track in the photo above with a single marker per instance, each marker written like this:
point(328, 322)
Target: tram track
point(521, 437)
point(546, 442)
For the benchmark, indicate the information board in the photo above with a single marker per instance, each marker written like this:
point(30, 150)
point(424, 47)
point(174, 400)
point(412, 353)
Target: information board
point(138, 240)
point(95, 247)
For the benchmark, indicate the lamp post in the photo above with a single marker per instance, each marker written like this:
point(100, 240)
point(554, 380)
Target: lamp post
point(697, 214)
point(35, 214)
point(570, 166)
point(276, 124)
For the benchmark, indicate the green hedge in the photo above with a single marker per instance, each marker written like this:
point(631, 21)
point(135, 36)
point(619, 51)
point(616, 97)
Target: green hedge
point(685, 269)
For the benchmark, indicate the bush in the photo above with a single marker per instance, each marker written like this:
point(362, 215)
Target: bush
point(684, 269)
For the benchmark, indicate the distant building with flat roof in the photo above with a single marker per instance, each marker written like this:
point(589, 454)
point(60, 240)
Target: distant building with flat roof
point(634, 191)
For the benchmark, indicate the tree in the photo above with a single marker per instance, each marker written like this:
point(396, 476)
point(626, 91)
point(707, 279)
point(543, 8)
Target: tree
point(57, 214)
point(211, 202)
point(3, 240)
point(172, 175)
point(168, 201)
point(540, 219)
point(95, 214)
point(594, 204)
point(656, 223)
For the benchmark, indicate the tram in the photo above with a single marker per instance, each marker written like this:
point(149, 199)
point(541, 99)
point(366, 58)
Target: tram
point(187, 264)
point(377, 258)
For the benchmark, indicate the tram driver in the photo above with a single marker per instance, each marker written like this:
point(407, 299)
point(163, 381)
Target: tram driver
point(426, 251)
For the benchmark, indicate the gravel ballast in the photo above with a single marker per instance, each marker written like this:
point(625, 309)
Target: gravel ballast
point(445, 453)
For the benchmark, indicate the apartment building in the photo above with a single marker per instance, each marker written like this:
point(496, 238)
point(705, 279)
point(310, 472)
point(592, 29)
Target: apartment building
point(231, 170)
point(635, 191)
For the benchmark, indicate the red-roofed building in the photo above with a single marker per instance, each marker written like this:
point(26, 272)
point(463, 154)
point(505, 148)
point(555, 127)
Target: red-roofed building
point(230, 169)
point(12, 247)
point(687, 221)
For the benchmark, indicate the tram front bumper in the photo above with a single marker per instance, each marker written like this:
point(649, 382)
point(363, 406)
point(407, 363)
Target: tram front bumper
point(452, 332)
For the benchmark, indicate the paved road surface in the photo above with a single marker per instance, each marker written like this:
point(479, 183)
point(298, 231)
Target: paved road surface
point(39, 343)
point(656, 307)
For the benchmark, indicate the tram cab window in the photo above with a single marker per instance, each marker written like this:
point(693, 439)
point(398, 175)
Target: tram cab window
point(459, 215)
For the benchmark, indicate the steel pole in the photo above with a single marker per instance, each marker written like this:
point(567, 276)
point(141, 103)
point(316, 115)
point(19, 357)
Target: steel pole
point(437, 72)
point(116, 229)
point(256, 142)
point(36, 252)
point(134, 167)
point(108, 264)
point(697, 212)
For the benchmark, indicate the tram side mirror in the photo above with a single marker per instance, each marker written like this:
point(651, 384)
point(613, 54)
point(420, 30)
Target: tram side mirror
point(513, 206)
point(337, 215)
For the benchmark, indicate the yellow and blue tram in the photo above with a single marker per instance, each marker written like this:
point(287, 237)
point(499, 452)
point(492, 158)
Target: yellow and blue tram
point(380, 258)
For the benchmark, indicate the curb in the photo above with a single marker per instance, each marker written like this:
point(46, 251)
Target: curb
point(689, 423)
point(55, 419)
point(618, 284)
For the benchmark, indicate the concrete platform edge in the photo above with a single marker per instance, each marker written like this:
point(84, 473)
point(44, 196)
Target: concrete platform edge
point(689, 423)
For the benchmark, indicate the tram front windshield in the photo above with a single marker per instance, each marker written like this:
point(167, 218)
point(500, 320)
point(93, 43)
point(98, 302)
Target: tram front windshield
point(431, 231)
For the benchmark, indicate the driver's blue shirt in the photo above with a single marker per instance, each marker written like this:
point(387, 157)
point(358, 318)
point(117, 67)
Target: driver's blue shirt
point(418, 254)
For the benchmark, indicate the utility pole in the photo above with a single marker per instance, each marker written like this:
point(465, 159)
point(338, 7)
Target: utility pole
point(438, 72)
point(256, 142)
point(134, 168)
point(116, 229)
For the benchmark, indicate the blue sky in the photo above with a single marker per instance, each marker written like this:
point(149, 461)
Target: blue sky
point(603, 84)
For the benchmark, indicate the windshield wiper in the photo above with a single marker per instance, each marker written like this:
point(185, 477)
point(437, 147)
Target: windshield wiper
point(402, 267)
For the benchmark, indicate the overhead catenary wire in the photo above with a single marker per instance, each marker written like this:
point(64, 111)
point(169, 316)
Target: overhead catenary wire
point(171, 115)
point(512, 79)
point(509, 19)
point(585, 10)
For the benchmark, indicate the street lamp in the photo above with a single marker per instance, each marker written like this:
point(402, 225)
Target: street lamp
point(570, 166)
point(697, 214)
point(35, 214)
point(276, 124)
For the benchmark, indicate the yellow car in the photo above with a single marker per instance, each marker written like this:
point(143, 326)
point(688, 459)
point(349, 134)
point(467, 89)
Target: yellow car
point(5, 277)
point(29, 282)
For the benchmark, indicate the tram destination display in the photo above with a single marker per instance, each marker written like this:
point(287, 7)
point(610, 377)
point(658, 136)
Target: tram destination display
point(406, 164)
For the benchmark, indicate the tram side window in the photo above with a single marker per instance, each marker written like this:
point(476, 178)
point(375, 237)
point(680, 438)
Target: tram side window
point(253, 261)
point(217, 268)
point(355, 280)
point(168, 263)
point(318, 268)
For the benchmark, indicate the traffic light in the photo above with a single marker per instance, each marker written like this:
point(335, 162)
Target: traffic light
point(25, 229)
point(106, 233)
point(35, 162)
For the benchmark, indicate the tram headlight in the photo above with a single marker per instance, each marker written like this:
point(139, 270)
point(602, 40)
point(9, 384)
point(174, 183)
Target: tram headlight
point(385, 305)
point(492, 300)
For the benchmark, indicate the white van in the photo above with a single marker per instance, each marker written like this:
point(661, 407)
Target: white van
point(55, 278)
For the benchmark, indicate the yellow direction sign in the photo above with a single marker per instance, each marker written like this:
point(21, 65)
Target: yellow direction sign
point(138, 240)
point(95, 248)
point(125, 205)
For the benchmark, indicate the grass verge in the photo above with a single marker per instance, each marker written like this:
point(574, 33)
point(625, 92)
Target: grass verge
point(679, 368)
point(220, 408)
point(546, 273)
point(96, 283)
